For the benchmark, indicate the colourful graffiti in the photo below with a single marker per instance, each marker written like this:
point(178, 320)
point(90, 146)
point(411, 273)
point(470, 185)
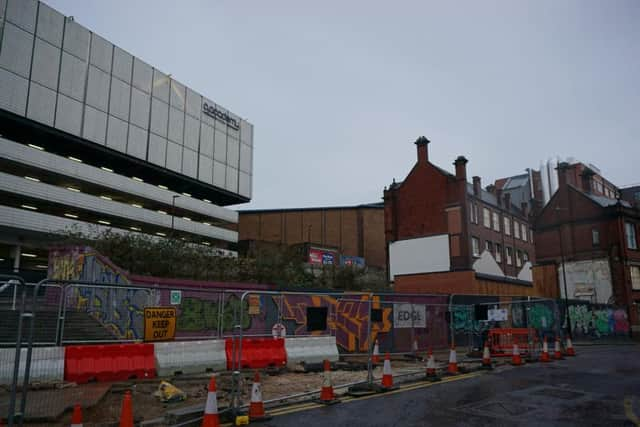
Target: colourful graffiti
point(199, 315)
point(83, 263)
point(590, 321)
point(541, 317)
point(119, 310)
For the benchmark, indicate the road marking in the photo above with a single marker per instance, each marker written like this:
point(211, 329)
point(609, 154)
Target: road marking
point(628, 410)
point(349, 399)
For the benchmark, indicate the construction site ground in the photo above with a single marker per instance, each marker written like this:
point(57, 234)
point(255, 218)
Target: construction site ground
point(51, 404)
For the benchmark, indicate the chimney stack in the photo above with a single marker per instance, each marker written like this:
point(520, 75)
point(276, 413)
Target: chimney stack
point(461, 168)
point(587, 180)
point(477, 186)
point(422, 145)
point(563, 170)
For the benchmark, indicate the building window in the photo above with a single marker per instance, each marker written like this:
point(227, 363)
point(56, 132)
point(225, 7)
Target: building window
point(531, 235)
point(516, 229)
point(525, 256)
point(475, 244)
point(507, 226)
point(524, 232)
point(595, 237)
point(636, 196)
point(486, 217)
point(496, 221)
point(498, 252)
point(630, 233)
point(635, 277)
point(519, 258)
point(488, 246)
point(509, 255)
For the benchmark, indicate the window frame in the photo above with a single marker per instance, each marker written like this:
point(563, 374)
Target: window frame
point(495, 217)
point(635, 286)
point(509, 255)
point(516, 229)
point(486, 217)
point(498, 253)
point(630, 236)
point(523, 232)
point(506, 221)
point(595, 237)
point(475, 246)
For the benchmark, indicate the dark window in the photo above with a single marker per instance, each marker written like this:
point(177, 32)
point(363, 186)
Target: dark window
point(316, 319)
point(595, 237)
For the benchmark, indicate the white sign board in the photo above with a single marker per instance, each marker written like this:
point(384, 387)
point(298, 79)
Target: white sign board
point(409, 316)
point(497, 315)
point(420, 255)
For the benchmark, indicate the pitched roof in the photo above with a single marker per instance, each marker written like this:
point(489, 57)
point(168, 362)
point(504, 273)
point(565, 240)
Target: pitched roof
point(604, 201)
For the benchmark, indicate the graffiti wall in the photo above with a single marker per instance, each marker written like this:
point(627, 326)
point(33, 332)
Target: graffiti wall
point(84, 263)
point(595, 321)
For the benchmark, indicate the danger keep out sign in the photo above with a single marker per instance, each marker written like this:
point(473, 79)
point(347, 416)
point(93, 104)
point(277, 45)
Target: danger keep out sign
point(159, 323)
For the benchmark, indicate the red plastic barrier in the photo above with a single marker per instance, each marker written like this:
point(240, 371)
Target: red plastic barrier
point(258, 353)
point(501, 341)
point(113, 362)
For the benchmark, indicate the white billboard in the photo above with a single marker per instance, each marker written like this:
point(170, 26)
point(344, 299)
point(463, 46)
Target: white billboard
point(421, 255)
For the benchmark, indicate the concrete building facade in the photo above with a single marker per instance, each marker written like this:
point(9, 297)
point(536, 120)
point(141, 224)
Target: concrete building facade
point(94, 138)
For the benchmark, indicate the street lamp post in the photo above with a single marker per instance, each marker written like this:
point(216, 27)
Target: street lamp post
point(564, 278)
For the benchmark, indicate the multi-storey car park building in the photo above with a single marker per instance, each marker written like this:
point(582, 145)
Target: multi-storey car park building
point(93, 137)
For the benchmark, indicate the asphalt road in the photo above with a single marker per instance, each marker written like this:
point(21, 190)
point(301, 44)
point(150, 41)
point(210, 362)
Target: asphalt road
point(588, 390)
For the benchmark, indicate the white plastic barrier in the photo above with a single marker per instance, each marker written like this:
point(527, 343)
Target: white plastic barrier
point(190, 357)
point(310, 350)
point(47, 364)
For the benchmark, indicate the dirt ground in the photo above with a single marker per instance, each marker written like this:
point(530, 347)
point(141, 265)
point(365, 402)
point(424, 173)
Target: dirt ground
point(148, 407)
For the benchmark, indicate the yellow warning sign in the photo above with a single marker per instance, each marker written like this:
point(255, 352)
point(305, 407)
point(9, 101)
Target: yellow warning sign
point(159, 323)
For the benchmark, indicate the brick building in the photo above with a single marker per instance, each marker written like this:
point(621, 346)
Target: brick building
point(444, 234)
point(352, 231)
point(596, 234)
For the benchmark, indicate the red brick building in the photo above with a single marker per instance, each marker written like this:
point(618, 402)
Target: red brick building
point(437, 225)
point(596, 234)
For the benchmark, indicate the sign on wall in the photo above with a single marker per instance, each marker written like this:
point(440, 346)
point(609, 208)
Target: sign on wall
point(159, 323)
point(254, 305)
point(176, 297)
point(322, 257)
point(409, 316)
point(497, 315)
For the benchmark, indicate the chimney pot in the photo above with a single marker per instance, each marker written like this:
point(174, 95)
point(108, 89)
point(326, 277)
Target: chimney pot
point(461, 167)
point(422, 147)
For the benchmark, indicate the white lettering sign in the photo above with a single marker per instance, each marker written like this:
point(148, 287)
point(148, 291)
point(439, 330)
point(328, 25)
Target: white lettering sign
point(409, 316)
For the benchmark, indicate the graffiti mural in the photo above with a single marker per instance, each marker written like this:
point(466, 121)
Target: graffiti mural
point(121, 311)
point(594, 321)
point(84, 263)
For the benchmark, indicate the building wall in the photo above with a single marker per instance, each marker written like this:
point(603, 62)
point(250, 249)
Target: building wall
point(460, 282)
point(354, 231)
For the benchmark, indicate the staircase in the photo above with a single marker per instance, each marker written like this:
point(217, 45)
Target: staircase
point(78, 326)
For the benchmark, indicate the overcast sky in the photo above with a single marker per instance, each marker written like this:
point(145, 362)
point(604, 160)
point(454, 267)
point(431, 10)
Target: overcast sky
point(339, 90)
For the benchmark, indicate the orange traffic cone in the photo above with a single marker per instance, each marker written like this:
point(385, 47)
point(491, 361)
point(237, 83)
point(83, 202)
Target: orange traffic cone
point(570, 350)
point(544, 357)
point(431, 367)
point(557, 354)
point(126, 414)
point(516, 360)
point(76, 418)
point(452, 369)
point(211, 418)
point(376, 354)
point(256, 407)
point(327, 395)
point(387, 376)
point(486, 357)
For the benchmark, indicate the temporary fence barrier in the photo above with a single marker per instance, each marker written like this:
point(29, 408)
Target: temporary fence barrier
point(501, 341)
point(115, 362)
point(307, 350)
point(190, 357)
point(47, 364)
